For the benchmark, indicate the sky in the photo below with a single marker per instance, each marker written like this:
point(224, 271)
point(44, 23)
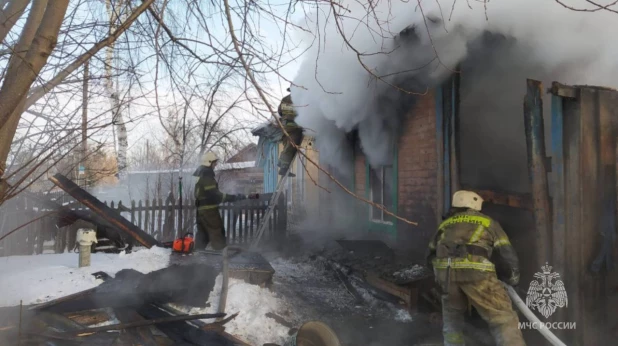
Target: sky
point(144, 124)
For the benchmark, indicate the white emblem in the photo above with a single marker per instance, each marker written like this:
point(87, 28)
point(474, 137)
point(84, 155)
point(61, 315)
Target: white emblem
point(544, 295)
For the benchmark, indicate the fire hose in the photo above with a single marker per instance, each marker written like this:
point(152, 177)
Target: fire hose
point(551, 337)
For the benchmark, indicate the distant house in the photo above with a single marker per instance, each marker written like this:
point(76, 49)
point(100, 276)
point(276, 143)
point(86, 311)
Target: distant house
point(236, 175)
point(239, 174)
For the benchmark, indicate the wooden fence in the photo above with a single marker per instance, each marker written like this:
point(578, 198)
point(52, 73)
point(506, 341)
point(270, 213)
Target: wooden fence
point(165, 220)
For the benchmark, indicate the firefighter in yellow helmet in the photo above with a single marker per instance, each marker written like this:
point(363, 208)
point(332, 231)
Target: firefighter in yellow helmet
point(288, 115)
point(459, 253)
point(207, 199)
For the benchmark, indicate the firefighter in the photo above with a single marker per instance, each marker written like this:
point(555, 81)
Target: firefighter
point(288, 115)
point(207, 200)
point(459, 253)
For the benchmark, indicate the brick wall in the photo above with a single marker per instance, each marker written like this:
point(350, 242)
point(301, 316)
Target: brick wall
point(417, 185)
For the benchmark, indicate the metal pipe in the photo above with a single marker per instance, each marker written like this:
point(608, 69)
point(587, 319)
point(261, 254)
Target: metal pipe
point(537, 170)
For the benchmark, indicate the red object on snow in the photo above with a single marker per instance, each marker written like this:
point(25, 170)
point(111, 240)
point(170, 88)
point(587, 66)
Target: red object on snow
point(184, 244)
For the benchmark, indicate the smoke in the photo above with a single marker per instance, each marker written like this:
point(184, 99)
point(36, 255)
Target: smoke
point(399, 42)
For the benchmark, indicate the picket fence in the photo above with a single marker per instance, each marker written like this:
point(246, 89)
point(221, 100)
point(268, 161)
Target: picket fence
point(163, 219)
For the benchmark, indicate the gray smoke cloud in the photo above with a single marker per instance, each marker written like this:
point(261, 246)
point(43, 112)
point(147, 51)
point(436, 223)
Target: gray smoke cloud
point(399, 43)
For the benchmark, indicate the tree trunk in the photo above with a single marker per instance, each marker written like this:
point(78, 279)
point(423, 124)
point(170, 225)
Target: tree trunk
point(7, 131)
point(20, 76)
point(10, 16)
point(117, 116)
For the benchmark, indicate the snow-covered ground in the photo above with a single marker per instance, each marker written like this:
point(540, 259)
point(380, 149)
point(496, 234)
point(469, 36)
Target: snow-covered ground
point(36, 279)
point(303, 290)
point(252, 303)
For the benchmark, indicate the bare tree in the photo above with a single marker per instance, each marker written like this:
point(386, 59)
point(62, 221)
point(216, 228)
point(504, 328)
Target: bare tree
point(27, 61)
point(120, 129)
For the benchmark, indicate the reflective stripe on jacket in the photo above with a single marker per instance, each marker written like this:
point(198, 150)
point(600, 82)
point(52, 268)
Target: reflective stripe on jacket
point(470, 227)
point(207, 194)
point(287, 112)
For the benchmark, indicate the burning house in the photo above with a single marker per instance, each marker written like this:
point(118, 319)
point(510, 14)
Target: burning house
point(444, 105)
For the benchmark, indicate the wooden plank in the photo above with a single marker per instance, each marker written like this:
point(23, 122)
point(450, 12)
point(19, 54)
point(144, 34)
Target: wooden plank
point(583, 191)
point(182, 332)
point(558, 198)
point(522, 201)
point(589, 285)
point(572, 183)
point(562, 90)
point(146, 226)
point(245, 233)
point(88, 317)
point(537, 170)
point(179, 211)
point(140, 211)
point(160, 221)
point(252, 210)
point(60, 300)
point(403, 293)
point(188, 223)
point(558, 205)
point(153, 220)
point(133, 211)
point(103, 211)
point(142, 323)
point(138, 335)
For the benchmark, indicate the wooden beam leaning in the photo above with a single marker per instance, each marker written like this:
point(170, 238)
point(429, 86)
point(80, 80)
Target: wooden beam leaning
point(110, 215)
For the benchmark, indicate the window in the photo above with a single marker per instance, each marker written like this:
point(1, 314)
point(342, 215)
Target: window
point(381, 192)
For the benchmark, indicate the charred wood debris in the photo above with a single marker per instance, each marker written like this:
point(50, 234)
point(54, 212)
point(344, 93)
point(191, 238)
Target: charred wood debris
point(136, 309)
point(136, 306)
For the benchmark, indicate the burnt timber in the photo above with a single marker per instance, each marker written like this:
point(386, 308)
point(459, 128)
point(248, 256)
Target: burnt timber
point(105, 212)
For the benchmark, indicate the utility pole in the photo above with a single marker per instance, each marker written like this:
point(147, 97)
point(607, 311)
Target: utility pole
point(84, 149)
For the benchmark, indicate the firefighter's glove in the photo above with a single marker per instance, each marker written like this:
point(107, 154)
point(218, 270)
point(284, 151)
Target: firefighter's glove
point(254, 196)
point(514, 279)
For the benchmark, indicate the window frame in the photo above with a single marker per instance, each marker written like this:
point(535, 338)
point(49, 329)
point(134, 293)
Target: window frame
point(389, 227)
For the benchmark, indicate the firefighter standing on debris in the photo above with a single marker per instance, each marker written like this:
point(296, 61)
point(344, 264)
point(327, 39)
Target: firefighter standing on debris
point(288, 115)
point(459, 253)
point(207, 200)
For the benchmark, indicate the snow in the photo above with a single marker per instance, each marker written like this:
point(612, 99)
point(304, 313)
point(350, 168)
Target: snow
point(403, 316)
point(410, 273)
point(252, 304)
point(37, 279)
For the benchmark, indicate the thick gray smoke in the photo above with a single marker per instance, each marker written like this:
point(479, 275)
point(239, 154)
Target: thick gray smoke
point(337, 94)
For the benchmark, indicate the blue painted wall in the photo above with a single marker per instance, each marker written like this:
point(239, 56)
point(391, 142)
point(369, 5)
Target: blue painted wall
point(271, 150)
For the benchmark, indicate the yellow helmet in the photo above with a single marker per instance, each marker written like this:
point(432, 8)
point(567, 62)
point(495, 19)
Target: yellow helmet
point(467, 199)
point(208, 159)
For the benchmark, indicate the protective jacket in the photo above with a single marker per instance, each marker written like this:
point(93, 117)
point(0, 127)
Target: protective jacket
point(288, 115)
point(207, 194)
point(287, 112)
point(464, 244)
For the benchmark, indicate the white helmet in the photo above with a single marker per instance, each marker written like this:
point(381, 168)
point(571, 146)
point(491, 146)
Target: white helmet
point(209, 158)
point(467, 199)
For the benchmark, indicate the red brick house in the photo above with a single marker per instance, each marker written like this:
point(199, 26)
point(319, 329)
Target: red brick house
point(455, 137)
